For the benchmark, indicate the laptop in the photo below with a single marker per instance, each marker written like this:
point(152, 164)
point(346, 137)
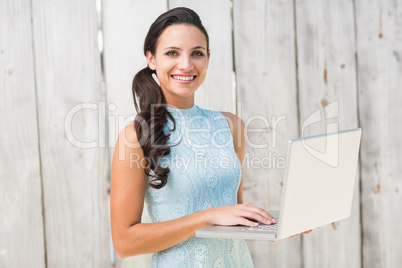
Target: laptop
point(317, 190)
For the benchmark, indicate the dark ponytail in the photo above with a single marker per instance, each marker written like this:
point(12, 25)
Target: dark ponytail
point(150, 102)
point(147, 95)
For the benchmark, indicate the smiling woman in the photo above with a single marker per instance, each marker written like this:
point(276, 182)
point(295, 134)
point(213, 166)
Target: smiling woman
point(180, 63)
point(207, 190)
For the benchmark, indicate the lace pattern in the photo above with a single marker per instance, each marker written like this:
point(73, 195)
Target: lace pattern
point(204, 173)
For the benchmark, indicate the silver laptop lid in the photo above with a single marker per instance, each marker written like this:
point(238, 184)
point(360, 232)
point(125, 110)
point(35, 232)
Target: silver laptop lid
point(325, 192)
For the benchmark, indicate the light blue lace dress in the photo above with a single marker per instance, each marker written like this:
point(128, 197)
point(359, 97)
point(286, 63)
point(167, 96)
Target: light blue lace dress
point(204, 173)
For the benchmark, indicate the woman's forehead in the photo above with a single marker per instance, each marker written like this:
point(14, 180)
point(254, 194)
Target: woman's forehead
point(182, 36)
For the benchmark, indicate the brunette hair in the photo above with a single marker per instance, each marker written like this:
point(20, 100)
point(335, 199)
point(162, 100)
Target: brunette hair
point(150, 102)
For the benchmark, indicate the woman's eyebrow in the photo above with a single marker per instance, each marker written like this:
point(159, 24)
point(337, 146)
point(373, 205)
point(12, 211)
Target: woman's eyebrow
point(177, 48)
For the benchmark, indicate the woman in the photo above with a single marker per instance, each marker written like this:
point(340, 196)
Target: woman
point(165, 158)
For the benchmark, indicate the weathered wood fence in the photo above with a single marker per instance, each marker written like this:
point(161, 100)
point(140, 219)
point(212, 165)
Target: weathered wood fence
point(63, 101)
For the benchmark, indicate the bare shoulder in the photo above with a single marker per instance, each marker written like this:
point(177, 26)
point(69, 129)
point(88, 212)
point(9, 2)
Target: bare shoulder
point(128, 158)
point(128, 148)
point(237, 127)
point(129, 134)
point(233, 120)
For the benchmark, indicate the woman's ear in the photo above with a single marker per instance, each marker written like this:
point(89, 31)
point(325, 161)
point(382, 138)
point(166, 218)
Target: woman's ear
point(151, 60)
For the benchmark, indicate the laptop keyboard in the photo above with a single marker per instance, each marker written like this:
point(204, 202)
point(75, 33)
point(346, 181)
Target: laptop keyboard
point(273, 228)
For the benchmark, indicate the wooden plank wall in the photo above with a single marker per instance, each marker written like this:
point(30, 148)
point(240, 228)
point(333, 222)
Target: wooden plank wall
point(273, 63)
point(68, 73)
point(21, 220)
point(379, 53)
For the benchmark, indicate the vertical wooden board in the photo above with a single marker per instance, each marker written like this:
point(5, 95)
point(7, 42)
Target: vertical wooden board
point(125, 25)
point(326, 72)
point(68, 76)
point(379, 51)
point(264, 40)
point(21, 221)
point(217, 92)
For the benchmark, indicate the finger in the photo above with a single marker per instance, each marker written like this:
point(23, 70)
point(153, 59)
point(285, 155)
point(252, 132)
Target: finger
point(294, 235)
point(246, 222)
point(261, 212)
point(251, 215)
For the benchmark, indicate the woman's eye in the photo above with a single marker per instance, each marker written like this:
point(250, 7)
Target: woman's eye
point(198, 53)
point(171, 53)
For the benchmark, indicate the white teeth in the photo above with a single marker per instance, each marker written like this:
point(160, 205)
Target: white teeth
point(183, 78)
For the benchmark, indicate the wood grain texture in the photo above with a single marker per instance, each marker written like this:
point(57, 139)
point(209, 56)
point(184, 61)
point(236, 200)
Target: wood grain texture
point(216, 93)
point(125, 25)
point(264, 41)
point(379, 50)
point(327, 76)
point(21, 223)
point(68, 76)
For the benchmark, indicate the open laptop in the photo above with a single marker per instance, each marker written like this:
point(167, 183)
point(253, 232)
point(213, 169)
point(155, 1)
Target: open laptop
point(317, 188)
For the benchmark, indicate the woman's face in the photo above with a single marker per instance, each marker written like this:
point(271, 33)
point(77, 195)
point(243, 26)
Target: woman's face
point(181, 62)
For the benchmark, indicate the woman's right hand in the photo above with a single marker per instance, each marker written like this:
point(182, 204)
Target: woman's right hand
point(243, 214)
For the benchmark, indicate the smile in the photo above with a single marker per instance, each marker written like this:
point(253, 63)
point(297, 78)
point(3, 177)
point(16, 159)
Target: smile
point(184, 77)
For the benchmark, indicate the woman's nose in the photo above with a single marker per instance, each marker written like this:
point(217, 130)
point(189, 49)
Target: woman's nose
point(185, 64)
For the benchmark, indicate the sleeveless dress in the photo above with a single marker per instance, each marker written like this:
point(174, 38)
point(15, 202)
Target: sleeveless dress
point(204, 173)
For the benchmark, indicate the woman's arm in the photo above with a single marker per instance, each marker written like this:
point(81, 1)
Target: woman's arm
point(130, 236)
